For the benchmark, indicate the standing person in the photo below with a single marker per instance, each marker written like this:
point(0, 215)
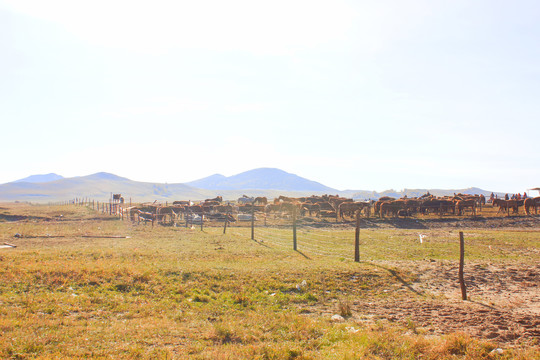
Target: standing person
point(524, 195)
point(506, 197)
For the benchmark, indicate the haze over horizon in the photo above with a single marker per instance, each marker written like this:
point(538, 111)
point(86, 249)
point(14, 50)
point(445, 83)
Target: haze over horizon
point(351, 94)
point(251, 176)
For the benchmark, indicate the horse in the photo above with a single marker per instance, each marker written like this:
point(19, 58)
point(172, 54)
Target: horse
point(463, 204)
point(506, 205)
point(392, 207)
point(218, 199)
point(311, 208)
point(245, 199)
point(260, 200)
point(379, 202)
point(350, 208)
point(531, 202)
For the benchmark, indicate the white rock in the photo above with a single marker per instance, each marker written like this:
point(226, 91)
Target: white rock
point(338, 318)
point(302, 285)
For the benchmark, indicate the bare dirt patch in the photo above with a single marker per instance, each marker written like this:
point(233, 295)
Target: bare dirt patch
point(503, 305)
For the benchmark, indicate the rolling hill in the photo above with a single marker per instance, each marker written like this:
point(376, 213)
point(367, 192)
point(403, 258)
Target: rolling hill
point(259, 182)
point(269, 182)
point(97, 186)
point(261, 179)
point(41, 178)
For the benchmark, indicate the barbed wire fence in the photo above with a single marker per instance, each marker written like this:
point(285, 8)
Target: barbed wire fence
point(318, 237)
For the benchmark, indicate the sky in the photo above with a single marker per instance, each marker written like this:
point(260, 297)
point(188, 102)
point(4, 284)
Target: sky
point(365, 95)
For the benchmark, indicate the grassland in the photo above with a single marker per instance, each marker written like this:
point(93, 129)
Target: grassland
point(73, 288)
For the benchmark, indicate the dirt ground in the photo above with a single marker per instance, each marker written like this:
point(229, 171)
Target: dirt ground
point(503, 303)
point(503, 306)
point(503, 300)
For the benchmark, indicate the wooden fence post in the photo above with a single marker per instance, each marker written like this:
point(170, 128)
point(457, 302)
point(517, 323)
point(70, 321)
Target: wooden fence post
point(461, 262)
point(357, 238)
point(295, 245)
point(202, 218)
point(226, 222)
point(252, 222)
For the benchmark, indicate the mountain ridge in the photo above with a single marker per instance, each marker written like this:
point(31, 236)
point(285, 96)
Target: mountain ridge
point(40, 178)
point(256, 182)
point(261, 179)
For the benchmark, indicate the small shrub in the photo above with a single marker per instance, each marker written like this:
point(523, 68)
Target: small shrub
point(456, 344)
point(241, 299)
point(344, 306)
point(122, 287)
point(201, 298)
point(411, 325)
point(224, 335)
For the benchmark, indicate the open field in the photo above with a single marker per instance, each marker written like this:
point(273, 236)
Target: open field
point(81, 284)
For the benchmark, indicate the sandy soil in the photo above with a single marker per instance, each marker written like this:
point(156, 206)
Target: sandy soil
point(503, 303)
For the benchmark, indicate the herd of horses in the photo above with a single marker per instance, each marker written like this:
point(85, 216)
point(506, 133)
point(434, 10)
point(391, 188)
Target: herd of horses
point(528, 204)
point(324, 206)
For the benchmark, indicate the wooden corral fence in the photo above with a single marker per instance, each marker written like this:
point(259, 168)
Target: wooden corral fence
point(322, 208)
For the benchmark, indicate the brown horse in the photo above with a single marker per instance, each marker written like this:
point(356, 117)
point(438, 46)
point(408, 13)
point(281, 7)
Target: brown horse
point(506, 205)
point(464, 204)
point(529, 203)
point(392, 207)
point(350, 208)
point(218, 199)
point(261, 200)
point(311, 208)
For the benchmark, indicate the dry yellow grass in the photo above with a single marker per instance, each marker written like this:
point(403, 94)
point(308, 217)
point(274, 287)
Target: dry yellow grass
point(167, 293)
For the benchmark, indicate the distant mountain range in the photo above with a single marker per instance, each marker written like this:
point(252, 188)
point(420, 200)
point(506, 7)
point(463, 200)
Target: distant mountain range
point(267, 182)
point(263, 178)
point(41, 178)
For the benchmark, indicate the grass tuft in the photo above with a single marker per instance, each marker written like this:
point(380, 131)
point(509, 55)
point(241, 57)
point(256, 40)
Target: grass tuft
point(344, 306)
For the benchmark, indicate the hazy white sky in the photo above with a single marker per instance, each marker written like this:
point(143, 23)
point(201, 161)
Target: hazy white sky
point(365, 95)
